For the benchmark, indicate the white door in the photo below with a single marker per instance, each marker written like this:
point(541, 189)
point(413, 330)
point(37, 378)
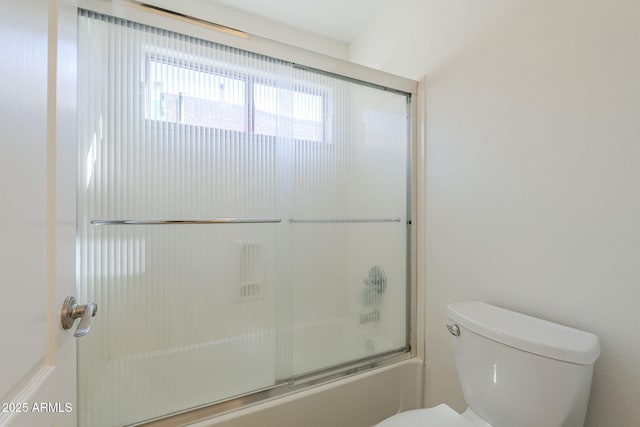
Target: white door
point(37, 213)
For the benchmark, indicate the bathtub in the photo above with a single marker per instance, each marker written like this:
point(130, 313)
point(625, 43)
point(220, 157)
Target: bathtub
point(137, 388)
point(361, 400)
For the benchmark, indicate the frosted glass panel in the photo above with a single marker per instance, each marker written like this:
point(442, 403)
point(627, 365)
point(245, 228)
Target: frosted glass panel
point(349, 244)
point(306, 110)
point(173, 128)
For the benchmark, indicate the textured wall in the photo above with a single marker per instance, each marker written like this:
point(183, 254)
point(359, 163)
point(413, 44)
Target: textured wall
point(533, 145)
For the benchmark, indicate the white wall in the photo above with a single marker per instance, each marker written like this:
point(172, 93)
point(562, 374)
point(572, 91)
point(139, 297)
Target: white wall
point(254, 25)
point(533, 145)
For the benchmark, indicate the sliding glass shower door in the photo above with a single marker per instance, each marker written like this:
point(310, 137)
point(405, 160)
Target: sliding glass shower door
point(242, 222)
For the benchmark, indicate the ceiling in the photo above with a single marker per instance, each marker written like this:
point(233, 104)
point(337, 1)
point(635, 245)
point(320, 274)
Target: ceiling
point(339, 20)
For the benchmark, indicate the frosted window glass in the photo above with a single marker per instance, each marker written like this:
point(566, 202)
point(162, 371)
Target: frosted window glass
point(307, 118)
point(186, 94)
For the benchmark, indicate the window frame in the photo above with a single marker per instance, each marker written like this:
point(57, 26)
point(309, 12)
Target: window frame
point(250, 81)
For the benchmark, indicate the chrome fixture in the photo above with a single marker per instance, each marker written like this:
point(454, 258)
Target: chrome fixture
point(373, 316)
point(72, 311)
point(454, 330)
point(376, 279)
point(184, 221)
point(174, 221)
point(342, 220)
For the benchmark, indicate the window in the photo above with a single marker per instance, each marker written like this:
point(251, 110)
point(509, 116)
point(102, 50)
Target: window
point(191, 94)
point(182, 94)
point(306, 112)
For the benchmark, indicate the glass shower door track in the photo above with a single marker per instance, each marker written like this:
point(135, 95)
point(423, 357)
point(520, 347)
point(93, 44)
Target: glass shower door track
point(293, 385)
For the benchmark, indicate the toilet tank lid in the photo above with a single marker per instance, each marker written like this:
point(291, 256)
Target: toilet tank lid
point(526, 332)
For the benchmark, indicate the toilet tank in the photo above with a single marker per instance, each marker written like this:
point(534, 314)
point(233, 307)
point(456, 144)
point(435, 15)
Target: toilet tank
point(518, 370)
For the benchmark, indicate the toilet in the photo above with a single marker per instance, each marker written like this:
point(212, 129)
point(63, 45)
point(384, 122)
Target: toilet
point(515, 371)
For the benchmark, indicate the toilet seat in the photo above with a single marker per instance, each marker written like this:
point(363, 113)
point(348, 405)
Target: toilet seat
point(438, 416)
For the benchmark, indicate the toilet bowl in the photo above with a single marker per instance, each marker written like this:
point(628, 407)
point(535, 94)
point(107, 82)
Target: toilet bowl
point(438, 416)
point(515, 371)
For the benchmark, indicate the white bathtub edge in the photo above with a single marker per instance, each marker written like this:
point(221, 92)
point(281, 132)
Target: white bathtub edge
point(359, 400)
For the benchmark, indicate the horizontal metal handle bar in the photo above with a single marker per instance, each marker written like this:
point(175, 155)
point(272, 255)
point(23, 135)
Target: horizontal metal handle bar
point(346, 220)
point(184, 221)
point(235, 221)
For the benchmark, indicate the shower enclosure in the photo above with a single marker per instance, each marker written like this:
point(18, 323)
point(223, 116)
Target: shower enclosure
point(243, 222)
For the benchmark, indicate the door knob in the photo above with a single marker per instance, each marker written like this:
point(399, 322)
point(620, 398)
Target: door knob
point(72, 311)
